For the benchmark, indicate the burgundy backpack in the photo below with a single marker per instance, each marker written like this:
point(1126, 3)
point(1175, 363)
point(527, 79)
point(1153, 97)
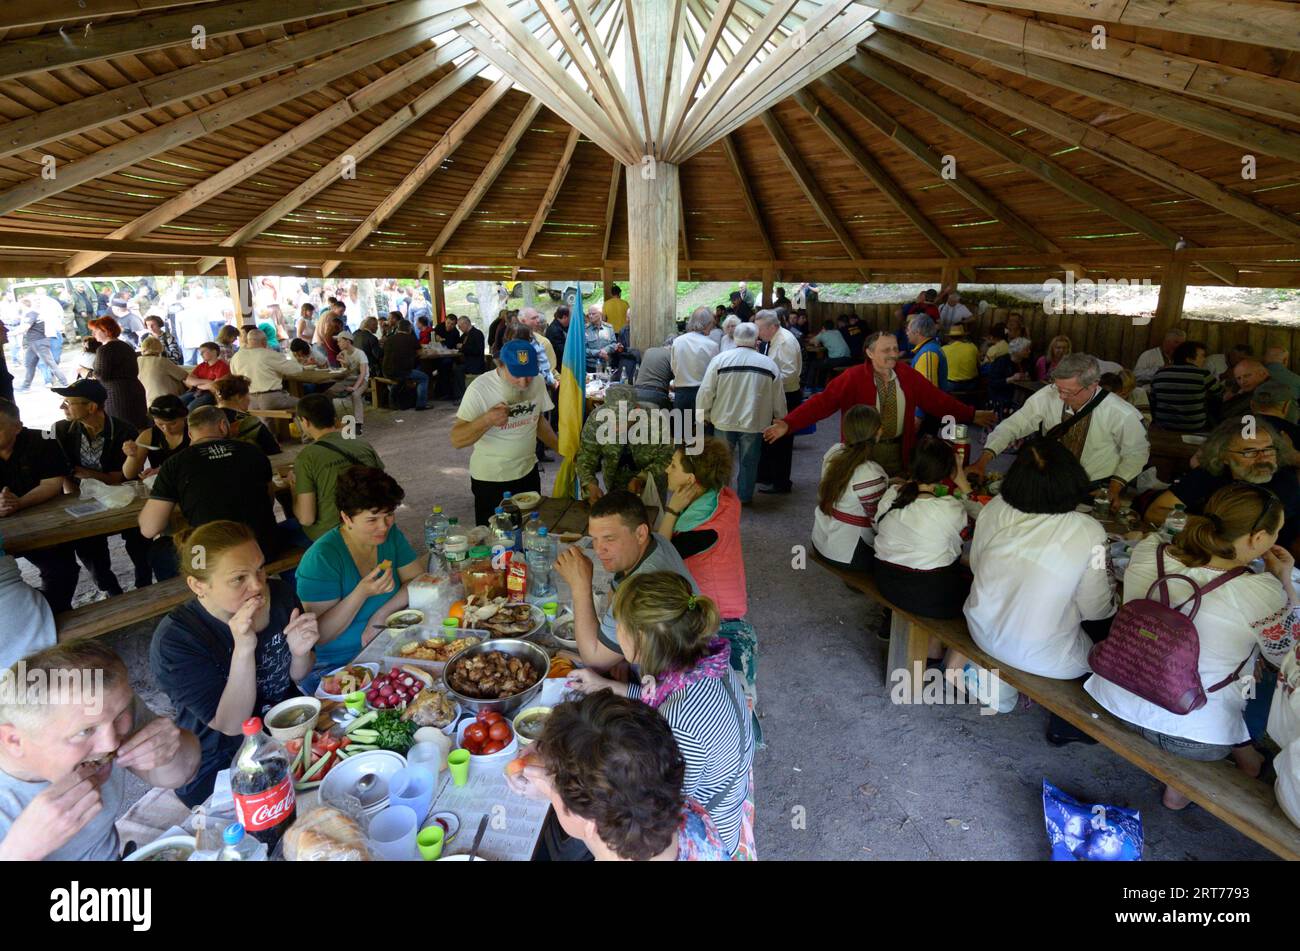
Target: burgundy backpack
point(1153, 649)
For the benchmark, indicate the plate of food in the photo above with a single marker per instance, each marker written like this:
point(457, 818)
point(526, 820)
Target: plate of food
point(430, 653)
point(527, 501)
point(502, 675)
point(337, 684)
point(501, 617)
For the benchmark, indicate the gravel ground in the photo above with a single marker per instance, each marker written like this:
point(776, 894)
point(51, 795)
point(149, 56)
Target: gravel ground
point(846, 774)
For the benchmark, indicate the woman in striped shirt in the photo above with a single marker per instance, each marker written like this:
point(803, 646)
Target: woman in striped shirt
point(670, 635)
point(851, 487)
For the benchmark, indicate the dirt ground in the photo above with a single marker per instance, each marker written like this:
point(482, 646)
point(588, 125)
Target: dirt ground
point(846, 773)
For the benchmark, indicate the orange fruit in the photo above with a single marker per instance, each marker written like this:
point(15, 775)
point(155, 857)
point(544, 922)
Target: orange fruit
point(457, 610)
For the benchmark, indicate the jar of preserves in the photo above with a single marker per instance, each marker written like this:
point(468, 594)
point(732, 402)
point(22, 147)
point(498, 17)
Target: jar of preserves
point(480, 577)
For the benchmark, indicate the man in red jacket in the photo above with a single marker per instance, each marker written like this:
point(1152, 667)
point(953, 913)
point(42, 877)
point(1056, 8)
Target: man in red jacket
point(893, 388)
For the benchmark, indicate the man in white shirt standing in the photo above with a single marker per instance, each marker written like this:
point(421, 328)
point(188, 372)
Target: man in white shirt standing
point(784, 349)
point(502, 415)
point(691, 353)
point(1152, 360)
point(741, 396)
point(1105, 433)
point(952, 311)
point(266, 371)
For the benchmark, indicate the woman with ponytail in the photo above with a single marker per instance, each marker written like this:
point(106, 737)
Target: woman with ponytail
point(1240, 524)
point(851, 487)
point(919, 536)
point(669, 635)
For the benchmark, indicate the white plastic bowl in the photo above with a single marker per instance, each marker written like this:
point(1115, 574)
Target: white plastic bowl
point(320, 691)
point(341, 779)
point(495, 760)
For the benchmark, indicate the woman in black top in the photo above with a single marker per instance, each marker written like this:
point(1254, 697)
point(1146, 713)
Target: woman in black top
point(233, 397)
point(116, 368)
point(167, 436)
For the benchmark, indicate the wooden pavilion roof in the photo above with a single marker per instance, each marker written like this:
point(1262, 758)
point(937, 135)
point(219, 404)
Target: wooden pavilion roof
point(128, 147)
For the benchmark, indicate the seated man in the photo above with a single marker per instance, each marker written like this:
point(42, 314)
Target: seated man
point(317, 467)
point(352, 389)
point(472, 347)
point(1276, 361)
point(63, 756)
point(612, 769)
point(604, 447)
point(29, 622)
point(216, 479)
point(266, 370)
point(401, 358)
point(1150, 361)
point(1184, 396)
point(963, 359)
point(1248, 374)
point(837, 354)
point(1228, 456)
point(1104, 432)
point(619, 526)
point(1273, 399)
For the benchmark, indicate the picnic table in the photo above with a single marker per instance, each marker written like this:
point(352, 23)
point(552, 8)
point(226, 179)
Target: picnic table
point(1025, 389)
point(311, 376)
point(50, 523)
point(1171, 452)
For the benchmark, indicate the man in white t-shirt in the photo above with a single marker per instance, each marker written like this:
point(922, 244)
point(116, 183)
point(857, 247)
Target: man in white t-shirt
point(502, 415)
point(353, 388)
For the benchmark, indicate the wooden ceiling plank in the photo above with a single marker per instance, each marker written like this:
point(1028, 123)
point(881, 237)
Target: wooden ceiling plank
point(40, 12)
point(611, 203)
point(552, 190)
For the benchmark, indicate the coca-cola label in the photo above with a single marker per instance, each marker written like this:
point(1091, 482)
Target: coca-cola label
point(263, 810)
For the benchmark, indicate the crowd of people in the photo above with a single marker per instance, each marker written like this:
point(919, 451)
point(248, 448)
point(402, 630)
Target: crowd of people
point(654, 760)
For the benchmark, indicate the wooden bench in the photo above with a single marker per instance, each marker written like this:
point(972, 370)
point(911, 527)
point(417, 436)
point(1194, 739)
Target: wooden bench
point(1246, 804)
point(375, 396)
point(277, 420)
point(123, 610)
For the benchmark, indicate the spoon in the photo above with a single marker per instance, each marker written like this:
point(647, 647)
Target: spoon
point(364, 786)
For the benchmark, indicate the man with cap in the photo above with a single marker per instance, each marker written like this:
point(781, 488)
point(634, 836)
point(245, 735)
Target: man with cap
point(963, 358)
point(604, 446)
point(352, 389)
point(93, 445)
point(502, 415)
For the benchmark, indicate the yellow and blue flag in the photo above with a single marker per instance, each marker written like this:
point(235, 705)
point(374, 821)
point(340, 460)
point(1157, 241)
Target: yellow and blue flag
point(573, 401)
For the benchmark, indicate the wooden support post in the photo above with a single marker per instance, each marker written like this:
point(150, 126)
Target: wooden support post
point(950, 276)
point(439, 289)
point(652, 225)
point(241, 290)
point(769, 287)
point(1173, 289)
point(606, 283)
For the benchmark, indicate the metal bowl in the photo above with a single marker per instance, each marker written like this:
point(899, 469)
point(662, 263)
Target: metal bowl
point(525, 650)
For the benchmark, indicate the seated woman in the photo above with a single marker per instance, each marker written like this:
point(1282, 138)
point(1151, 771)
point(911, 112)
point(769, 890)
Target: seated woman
point(233, 397)
point(235, 650)
point(919, 536)
point(668, 633)
point(1057, 350)
point(1037, 575)
point(613, 772)
point(227, 340)
point(86, 360)
point(158, 374)
point(851, 488)
point(168, 435)
point(605, 447)
point(359, 572)
point(1241, 523)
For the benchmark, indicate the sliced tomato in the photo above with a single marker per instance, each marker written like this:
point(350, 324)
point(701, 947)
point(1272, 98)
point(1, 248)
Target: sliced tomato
point(331, 744)
point(345, 742)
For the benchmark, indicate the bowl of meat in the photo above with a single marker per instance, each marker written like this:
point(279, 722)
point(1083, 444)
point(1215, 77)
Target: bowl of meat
point(502, 618)
point(501, 675)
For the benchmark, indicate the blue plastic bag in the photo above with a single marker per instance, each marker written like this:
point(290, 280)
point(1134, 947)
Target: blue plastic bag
point(1091, 833)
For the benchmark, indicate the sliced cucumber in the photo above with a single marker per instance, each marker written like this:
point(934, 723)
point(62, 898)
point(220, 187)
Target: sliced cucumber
point(359, 748)
point(362, 720)
point(365, 736)
point(301, 786)
point(317, 766)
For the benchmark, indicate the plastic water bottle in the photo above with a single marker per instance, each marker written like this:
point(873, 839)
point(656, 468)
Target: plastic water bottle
point(238, 847)
point(530, 529)
point(503, 532)
point(434, 526)
point(1175, 522)
point(516, 520)
point(541, 559)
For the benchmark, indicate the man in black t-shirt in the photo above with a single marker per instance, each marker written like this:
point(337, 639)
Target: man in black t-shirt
point(32, 469)
point(217, 478)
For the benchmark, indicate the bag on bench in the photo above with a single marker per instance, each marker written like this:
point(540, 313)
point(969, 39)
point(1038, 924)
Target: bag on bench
point(1153, 649)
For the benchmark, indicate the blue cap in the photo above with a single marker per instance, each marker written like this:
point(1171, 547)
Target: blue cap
point(233, 834)
point(520, 359)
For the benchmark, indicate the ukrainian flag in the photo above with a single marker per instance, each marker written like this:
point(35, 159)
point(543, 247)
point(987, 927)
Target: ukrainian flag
point(573, 400)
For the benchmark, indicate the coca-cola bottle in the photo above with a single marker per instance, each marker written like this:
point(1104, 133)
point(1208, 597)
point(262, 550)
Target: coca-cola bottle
point(262, 784)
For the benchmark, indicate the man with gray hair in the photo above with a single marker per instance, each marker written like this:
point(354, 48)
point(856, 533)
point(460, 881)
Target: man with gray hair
point(741, 396)
point(1104, 432)
point(1150, 361)
point(928, 358)
point(691, 353)
point(784, 349)
point(266, 371)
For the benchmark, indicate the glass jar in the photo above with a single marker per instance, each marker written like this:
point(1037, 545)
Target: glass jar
point(480, 577)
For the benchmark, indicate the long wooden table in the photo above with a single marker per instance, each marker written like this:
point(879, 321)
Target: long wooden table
point(316, 377)
point(1170, 453)
point(49, 524)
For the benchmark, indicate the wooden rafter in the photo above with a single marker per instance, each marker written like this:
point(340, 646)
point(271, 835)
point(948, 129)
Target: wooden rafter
point(962, 184)
point(634, 47)
point(703, 54)
point(552, 190)
point(667, 93)
point(600, 51)
point(1237, 88)
point(1269, 22)
point(1075, 132)
point(876, 174)
point(597, 74)
point(41, 12)
point(1042, 167)
point(33, 54)
point(494, 168)
point(610, 204)
point(747, 194)
point(808, 185)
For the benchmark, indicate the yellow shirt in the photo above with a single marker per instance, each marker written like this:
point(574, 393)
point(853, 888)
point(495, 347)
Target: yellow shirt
point(999, 349)
point(615, 312)
point(963, 360)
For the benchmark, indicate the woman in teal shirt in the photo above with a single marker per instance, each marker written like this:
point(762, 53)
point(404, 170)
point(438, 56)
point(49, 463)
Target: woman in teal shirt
point(347, 578)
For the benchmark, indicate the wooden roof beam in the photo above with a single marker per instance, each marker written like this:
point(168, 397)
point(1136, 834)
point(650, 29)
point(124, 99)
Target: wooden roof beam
point(747, 193)
point(611, 203)
point(703, 54)
point(962, 184)
point(552, 190)
point(808, 185)
point(1073, 131)
point(40, 12)
point(33, 54)
point(876, 174)
point(599, 50)
point(1267, 22)
point(1042, 167)
point(1237, 88)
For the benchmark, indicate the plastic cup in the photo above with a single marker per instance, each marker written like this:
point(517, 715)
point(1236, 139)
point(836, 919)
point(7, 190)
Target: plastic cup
point(458, 763)
point(355, 702)
point(413, 787)
point(429, 842)
point(427, 755)
point(392, 834)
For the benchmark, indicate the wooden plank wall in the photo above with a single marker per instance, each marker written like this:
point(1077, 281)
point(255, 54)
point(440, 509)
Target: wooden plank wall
point(1108, 336)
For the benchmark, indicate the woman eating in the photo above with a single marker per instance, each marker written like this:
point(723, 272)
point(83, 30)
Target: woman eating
point(235, 650)
point(117, 369)
point(167, 436)
point(359, 572)
point(668, 633)
point(850, 490)
point(233, 397)
point(1244, 610)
